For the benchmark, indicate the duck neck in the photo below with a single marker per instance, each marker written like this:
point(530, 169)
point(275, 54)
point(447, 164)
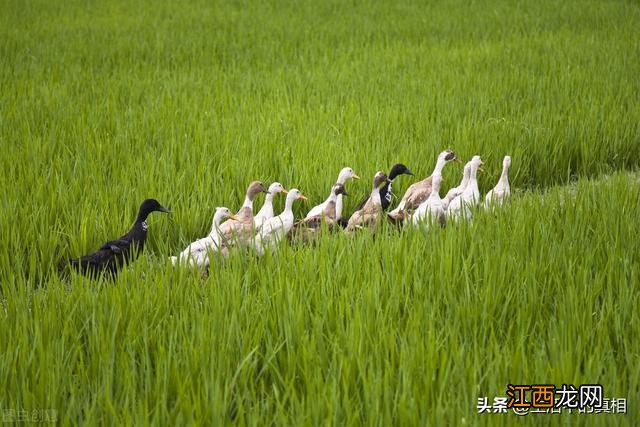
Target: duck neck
point(435, 192)
point(268, 204)
point(215, 226)
point(332, 197)
point(248, 202)
point(375, 196)
point(288, 206)
point(439, 166)
point(464, 182)
point(329, 198)
point(269, 198)
point(473, 183)
point(504, 177)
point(142, 216)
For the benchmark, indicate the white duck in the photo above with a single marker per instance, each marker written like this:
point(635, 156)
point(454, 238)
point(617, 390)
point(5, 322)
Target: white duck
point(471, 194)
point(456, 191)
point(195, 253)
point(266, 211)
point(501, 192)
point(274, 229)
point(419, 191)
point(345, 174)
point(307, 229)
point(431, 209)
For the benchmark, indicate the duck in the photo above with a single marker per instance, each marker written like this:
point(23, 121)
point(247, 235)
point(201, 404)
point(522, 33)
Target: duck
point(431, 209)
point(242, 226)
point(306, 229)
point(115, 254)
point(196, 253)
point(419, 191)
point(266, 211)
point(456, 191)
point(369, 214)
point(501, 192)
point(386, 194)
point(462, 204)
point(274, 229)
point(345, 174)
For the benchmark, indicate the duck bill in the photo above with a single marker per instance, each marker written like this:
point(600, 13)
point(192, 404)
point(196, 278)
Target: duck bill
point(408, 172)
point(233, 217)
point(285, 191)
point(355, 176)
point(163, 209)
point(303, 197)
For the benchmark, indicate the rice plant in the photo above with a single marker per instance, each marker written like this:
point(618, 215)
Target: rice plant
point(103, 105)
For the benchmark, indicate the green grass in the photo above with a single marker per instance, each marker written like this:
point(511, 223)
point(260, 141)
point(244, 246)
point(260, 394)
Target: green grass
point(103, 104)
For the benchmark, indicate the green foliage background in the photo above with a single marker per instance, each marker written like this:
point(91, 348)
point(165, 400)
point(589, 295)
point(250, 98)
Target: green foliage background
point(103, 104)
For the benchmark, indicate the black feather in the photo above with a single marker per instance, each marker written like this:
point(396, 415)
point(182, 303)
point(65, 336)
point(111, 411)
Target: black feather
point(114, 254)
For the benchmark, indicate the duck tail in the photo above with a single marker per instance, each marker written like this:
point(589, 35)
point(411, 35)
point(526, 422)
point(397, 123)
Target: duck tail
point(66, 265)
point(397, 218)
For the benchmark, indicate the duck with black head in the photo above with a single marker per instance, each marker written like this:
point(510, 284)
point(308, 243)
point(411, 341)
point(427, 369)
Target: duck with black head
point(115, 254)
point(386, 194)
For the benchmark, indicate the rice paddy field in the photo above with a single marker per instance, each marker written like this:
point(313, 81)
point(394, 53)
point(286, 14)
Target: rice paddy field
point(106, 103)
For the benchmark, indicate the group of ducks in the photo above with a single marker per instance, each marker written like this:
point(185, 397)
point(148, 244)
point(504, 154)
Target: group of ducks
point(420, 205)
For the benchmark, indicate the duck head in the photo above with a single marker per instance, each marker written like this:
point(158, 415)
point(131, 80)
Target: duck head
point(448, 156)
point(276, 188)
point(467, 170)
point(476, 162)
point(295, 194)
point(347, 173)
point(379, 179)
point(339, 189)
point(148, 206)
point(399, 169)
point(436, 182)
point(222, 213)
point(506, 162)
point(255, 188)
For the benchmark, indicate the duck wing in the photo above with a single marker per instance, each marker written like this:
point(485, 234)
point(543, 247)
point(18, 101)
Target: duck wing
point(419, 193)
point(117, 246)
point(105, 259)
point(316, 210)
point(363, 220)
